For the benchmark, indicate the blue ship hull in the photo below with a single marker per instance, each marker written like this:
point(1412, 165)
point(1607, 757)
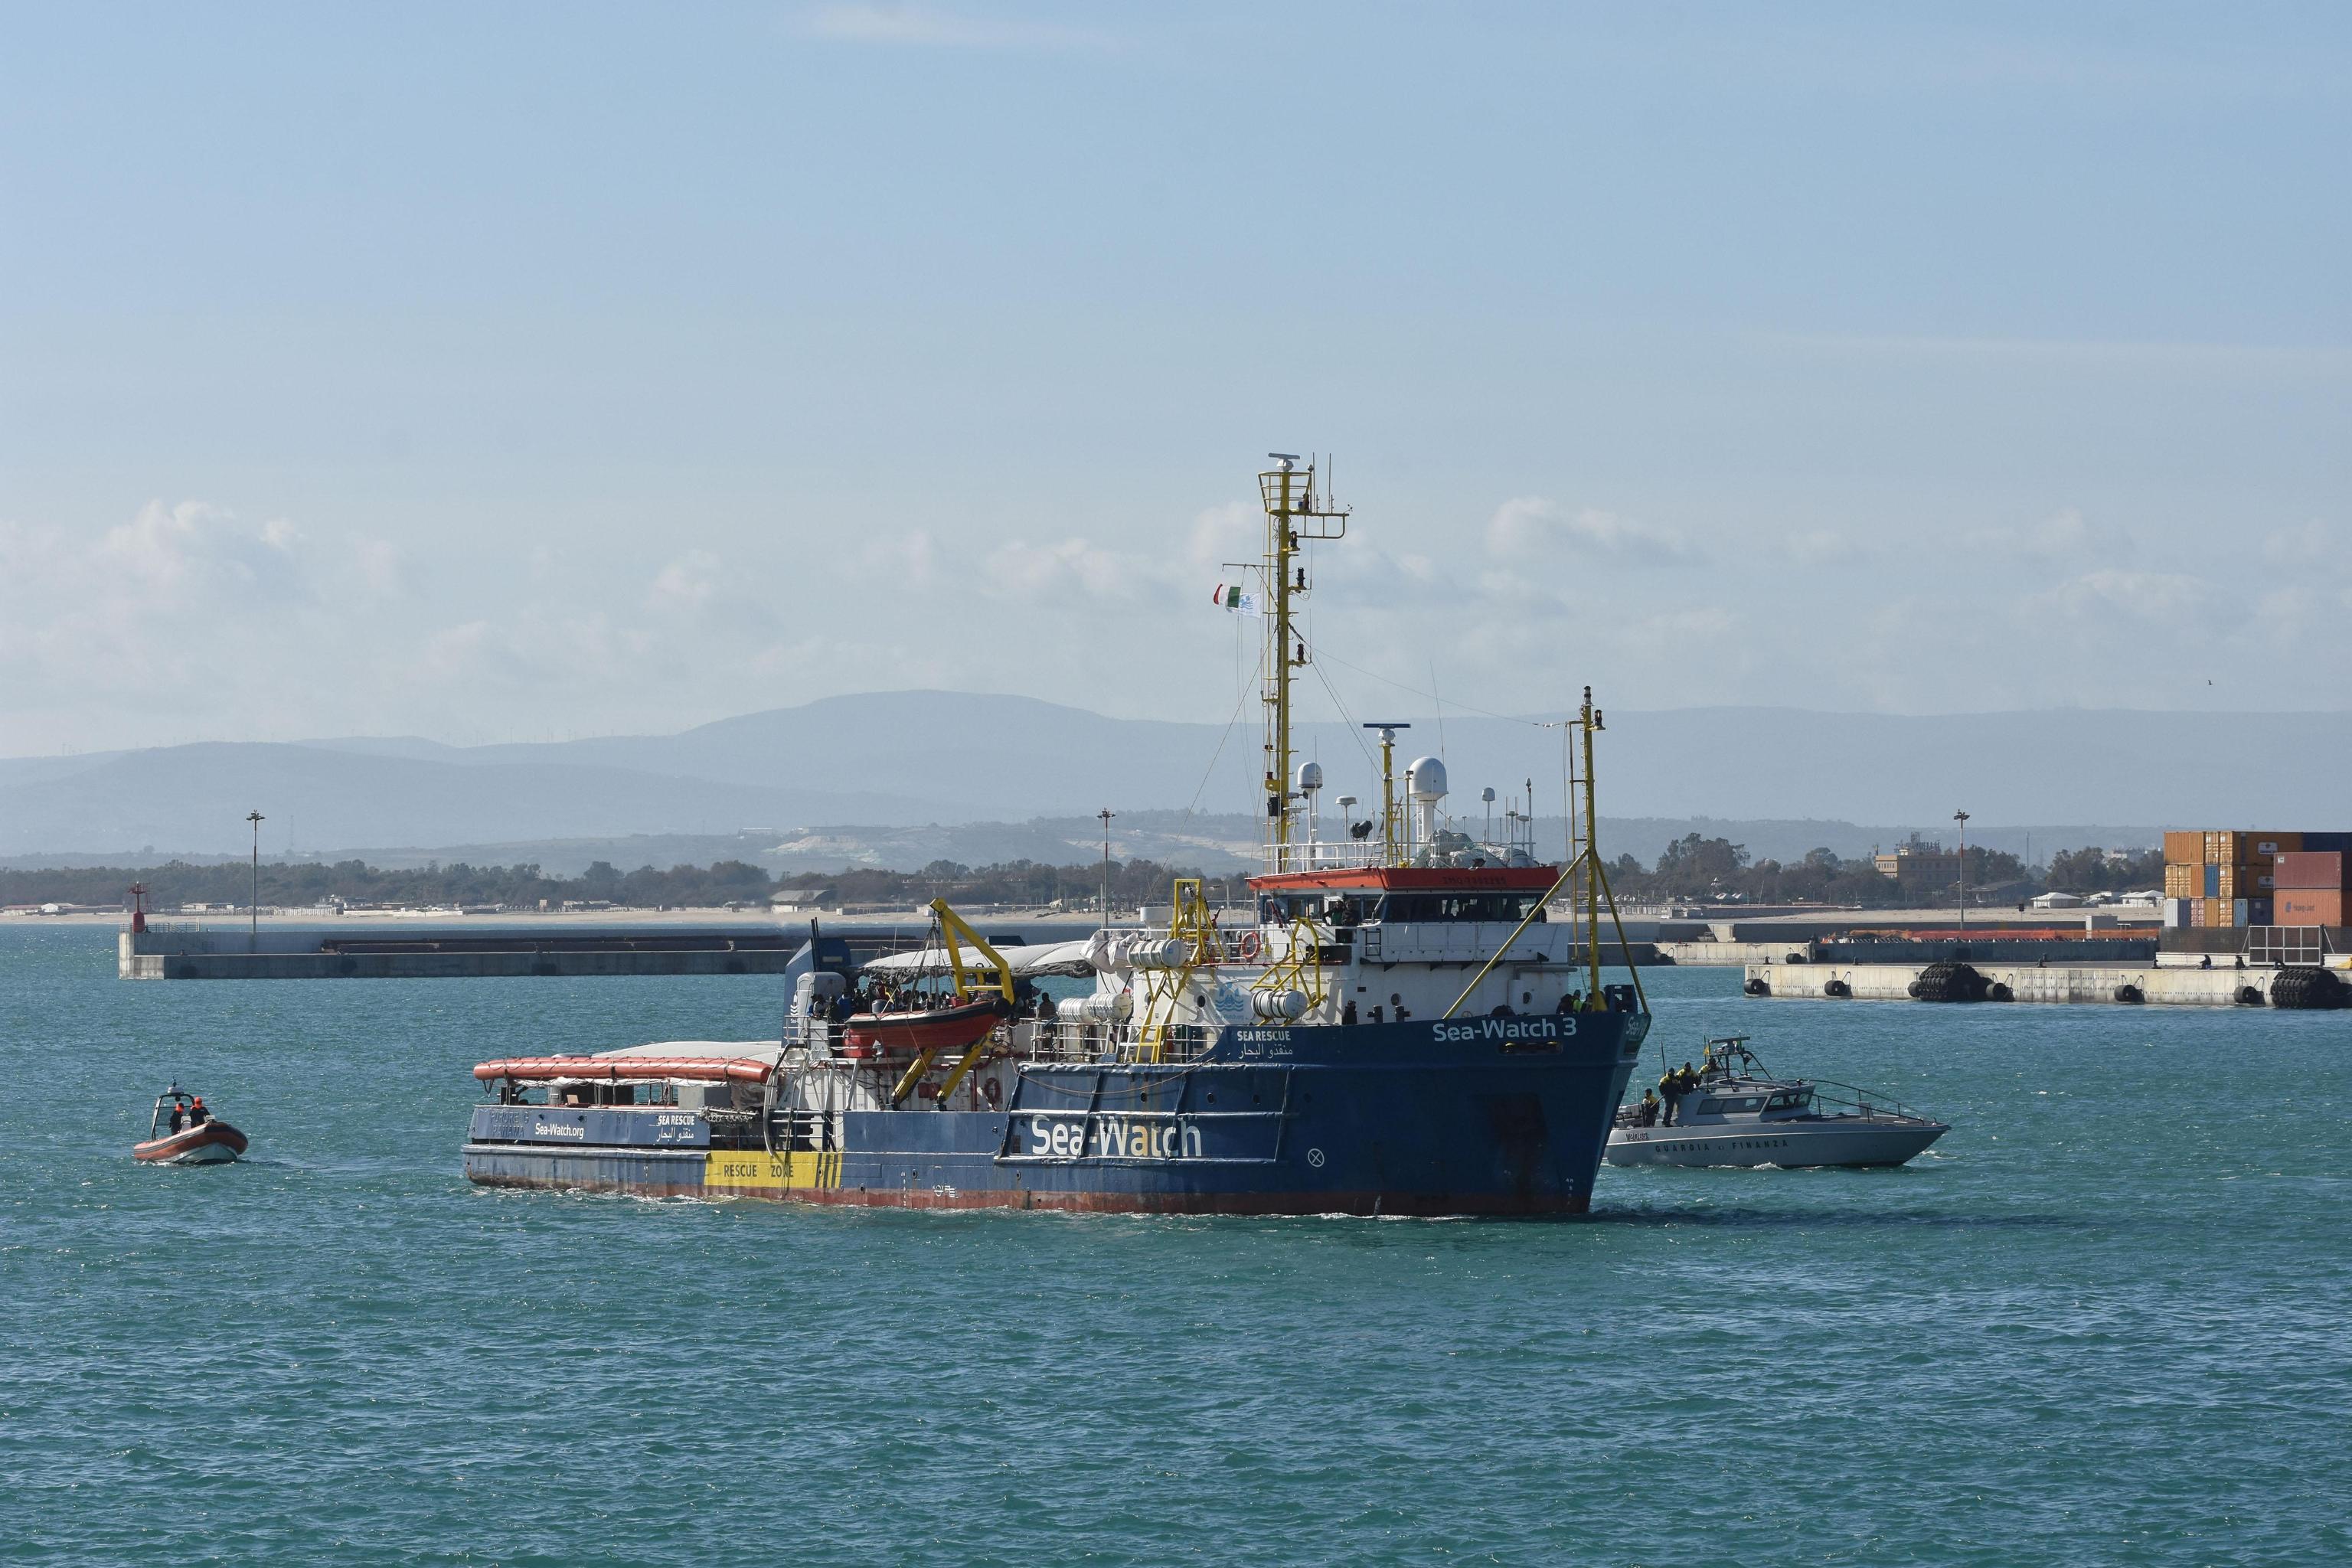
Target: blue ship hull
point(1477, 1116)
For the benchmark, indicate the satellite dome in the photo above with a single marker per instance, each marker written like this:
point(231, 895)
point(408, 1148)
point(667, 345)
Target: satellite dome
point(1310, 777)
point(1428, 779)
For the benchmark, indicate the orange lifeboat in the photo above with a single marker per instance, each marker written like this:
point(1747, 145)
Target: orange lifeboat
point(932, 1029)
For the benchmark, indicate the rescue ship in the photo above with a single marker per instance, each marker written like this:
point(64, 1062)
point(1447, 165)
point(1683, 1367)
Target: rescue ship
point(1397, 1026)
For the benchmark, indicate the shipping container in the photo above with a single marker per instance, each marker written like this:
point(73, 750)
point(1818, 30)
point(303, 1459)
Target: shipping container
point(2321, 868)
point(2258, 911)
point(2182, 882)
point(2309, 907)
point(2176, 913)
point(2184, 847)
point(2231, 847)
point(2340, 842)
point(2242, 881)
point(2212, 886)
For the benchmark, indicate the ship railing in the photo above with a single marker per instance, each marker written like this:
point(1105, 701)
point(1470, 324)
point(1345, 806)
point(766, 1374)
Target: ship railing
point(1356, 854)
point(798, 1131)
point(1085, 1041)
point(814, 1035)
point(1238, 942)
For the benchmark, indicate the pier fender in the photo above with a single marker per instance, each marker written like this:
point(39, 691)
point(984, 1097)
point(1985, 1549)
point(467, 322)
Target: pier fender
point(2306, 988)
point(1834, 987)
point(2129, 992)
point(1757, 986)
point(1949, 980)
point(2250, 996)
point(2000, 992)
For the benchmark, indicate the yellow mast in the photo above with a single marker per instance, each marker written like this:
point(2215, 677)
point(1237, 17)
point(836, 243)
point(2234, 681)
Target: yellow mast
point(1589, 719)
point(1293, 517)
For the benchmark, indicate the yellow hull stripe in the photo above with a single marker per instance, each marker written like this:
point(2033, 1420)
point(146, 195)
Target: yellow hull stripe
point(757, 1170)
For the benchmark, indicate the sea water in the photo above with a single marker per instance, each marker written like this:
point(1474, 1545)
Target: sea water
point(2104, 1321)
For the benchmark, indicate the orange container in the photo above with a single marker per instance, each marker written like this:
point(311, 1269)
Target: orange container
point(2184, 847)
point(2183, 880)
point(2309, 907)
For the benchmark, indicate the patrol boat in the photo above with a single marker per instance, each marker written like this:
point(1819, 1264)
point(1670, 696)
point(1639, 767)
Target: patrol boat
point(1741, 1114)
point(1395, 1027)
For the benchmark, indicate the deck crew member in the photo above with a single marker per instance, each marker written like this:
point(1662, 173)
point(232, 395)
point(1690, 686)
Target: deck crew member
point(177, 1115)
point(1347, 1011)
point(1649, 1107)
point(197, 1114)
point(1669, 1091)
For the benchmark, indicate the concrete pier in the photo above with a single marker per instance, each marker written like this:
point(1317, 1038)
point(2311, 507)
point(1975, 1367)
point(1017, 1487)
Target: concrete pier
point(451, 950)
point(2161, 987)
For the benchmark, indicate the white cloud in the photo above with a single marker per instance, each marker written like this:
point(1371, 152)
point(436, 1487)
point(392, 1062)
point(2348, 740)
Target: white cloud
point(906, 559)
point(926, 26)
point(685, 584)
point(2062, 534)
point(1234, 531)
point(1525, 527)
point(2158, 598)
point(1017, 569)
point(2302, 545)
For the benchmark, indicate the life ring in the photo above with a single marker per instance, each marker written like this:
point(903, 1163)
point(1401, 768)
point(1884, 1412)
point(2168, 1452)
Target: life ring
point(992, 1091)
point(1249, 947)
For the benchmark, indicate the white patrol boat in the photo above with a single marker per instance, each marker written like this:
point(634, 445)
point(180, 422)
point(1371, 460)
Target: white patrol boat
point(1740, 1114)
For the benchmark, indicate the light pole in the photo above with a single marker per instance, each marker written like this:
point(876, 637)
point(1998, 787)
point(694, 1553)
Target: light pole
point(254, 913)
point(1962, 818)
point(1106, 814)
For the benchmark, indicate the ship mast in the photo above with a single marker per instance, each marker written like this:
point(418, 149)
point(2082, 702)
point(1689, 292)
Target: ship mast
point(1294, 517)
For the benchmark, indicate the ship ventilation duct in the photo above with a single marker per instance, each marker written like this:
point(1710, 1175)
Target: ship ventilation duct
point(1424, 785)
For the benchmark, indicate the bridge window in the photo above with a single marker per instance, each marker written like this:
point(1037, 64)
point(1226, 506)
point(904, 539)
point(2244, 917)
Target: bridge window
point(1507, 908)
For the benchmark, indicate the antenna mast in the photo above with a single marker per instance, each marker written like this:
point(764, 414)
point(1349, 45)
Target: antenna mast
point(1294, 517)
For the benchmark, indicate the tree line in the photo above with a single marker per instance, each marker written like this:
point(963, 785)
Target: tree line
point(1693, 866)
point(310, 884)
point(1699, 867)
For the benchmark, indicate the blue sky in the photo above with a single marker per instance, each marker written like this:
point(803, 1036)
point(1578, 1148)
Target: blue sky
point(514, 373)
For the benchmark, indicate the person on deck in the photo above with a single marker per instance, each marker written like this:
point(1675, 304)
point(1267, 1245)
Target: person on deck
point(177, 1116)
point(1669, 1091)
point(1649, 1115)
point(1347, 1011)
point(197, 1114)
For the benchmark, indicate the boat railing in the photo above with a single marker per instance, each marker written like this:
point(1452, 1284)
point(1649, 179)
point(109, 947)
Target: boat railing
point(1853, 1099)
